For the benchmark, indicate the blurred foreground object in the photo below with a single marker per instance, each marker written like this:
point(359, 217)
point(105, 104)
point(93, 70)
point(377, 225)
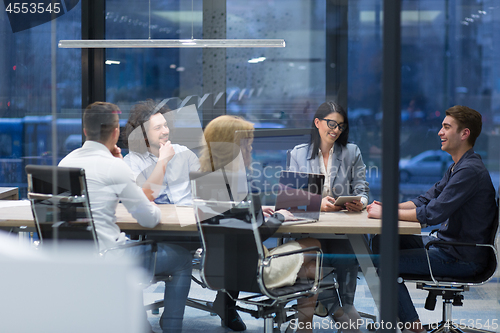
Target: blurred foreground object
point(67, 291)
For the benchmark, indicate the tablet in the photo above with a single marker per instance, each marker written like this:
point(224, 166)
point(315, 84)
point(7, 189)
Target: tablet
point(342, 200)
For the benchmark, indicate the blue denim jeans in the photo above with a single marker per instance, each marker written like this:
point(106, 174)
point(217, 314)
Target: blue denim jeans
point(413, 260)
point(176, 261)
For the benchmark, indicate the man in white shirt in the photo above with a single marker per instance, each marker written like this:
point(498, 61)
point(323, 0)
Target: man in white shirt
point(109, 181)
point(160, 167)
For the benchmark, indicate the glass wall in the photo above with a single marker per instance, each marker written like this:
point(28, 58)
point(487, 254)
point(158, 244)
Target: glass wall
point(28, 60)
point(449, 56)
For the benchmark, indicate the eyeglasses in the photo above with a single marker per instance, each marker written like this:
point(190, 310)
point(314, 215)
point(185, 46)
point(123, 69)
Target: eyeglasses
point(332, 124)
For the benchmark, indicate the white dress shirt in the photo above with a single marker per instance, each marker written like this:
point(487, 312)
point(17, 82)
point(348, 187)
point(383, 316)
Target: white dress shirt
point(176, 184)
point(326, 186)
point(110, 180)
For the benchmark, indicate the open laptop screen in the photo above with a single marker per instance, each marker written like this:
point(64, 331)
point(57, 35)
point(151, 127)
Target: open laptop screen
point(217, 195)
point(300, 193)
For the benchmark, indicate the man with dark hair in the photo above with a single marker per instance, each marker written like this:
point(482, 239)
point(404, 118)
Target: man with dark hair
point(160, 167)
point(463, 202)
point(109, 181)
point(100, 120)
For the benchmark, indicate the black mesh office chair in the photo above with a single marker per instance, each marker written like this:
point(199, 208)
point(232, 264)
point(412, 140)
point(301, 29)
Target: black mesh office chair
point(60, 204)
point(234, 257)
point(451, 288)
point(62, 214)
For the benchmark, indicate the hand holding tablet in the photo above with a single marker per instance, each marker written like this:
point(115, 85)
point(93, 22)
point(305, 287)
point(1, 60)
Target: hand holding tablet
point(342, 200)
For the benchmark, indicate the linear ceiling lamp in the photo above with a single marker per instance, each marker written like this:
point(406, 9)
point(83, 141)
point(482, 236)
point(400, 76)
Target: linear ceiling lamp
point(169, 43)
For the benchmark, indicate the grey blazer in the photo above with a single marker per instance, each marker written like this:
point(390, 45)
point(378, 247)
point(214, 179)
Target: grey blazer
point(347, 172)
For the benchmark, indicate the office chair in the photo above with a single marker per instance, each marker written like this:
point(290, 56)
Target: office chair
point(62, 214)
point(451, 288)
point(234, 258)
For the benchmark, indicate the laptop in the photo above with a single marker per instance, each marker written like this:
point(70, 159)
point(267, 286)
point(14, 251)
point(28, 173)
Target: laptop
point(300, 193)
point(220, 200)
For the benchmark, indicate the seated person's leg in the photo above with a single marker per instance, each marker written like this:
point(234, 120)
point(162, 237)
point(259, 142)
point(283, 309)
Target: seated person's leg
point(405, 242)
point(411, 261)
point(306, 306)
point(338, 253)
point(348, 291)
point(176, 261)
point(224, 306)
point(347, 277)
point(329, 298)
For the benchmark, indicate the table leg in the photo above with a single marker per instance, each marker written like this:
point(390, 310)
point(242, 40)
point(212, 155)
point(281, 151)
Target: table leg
point(363, 254)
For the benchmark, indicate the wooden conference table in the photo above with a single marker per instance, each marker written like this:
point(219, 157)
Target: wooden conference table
point(17, 213)
point(178, 222)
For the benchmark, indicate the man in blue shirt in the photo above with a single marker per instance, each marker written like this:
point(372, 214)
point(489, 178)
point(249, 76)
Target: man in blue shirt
point(463, 202)
point(160, 167)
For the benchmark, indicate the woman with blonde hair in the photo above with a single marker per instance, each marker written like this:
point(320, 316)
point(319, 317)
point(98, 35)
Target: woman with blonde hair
point(226, 136)
point(228, 145)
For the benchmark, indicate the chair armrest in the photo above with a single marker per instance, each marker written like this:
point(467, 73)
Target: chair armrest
point(288, 253)
point(267, 261)
point(433, 231)
point(428, 245)
point(440, 242)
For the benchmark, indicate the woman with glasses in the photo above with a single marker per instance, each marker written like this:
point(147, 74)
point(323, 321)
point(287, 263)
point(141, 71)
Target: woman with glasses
point(329, 153)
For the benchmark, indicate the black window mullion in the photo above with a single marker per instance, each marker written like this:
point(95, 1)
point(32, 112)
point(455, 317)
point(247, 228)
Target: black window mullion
point(93, 71)
point(391, 96)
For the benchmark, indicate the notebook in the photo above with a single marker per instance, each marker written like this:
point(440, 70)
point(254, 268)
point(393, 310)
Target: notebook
point(300, 193)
